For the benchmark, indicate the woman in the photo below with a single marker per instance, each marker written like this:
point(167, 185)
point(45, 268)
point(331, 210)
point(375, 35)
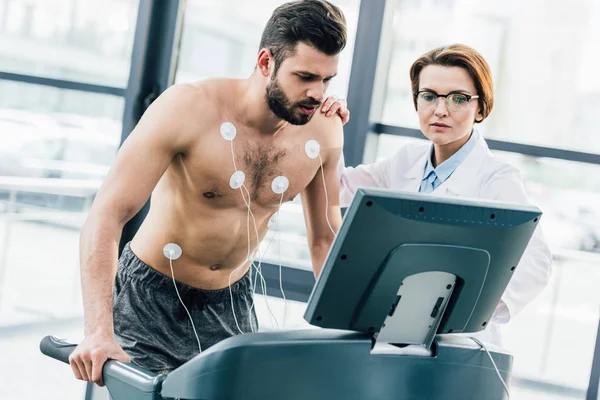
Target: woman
point(452, 91)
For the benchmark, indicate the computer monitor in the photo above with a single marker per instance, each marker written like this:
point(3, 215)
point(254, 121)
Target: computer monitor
point(408, 266)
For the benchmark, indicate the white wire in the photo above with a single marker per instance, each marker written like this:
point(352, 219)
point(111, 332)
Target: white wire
point(272, 317)
point(233, 156)
point(280, 268)
point(493, 363)
point(183, 304)
point(259, 269)
point(263, 283)
point(263, 286)
point(247, 257)
point(259, 266)
point(326, 197)
point(241, 266)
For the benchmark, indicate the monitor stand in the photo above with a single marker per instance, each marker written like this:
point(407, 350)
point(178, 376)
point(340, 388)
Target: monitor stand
point(418, 300)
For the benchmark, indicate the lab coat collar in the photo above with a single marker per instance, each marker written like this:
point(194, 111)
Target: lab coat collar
point(461, 181)
point(416, 171)
point(415, 174)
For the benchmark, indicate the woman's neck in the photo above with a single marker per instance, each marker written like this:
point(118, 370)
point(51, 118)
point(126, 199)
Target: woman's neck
point(442, 153)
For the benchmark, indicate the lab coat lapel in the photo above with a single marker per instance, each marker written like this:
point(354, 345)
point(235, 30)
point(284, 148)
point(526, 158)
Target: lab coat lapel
point(464, 182)
point(414, 175)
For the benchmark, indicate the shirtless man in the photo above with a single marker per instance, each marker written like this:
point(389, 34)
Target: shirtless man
point(178, 154)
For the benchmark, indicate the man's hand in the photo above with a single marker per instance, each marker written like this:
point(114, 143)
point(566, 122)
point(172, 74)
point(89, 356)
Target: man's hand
point(90, 355)
point(333, 105)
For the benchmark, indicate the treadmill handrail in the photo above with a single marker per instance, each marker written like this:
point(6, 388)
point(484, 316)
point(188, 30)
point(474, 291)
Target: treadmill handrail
point(125, 372)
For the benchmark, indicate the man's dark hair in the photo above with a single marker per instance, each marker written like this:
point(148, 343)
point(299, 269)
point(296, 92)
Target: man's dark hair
point(317, 23)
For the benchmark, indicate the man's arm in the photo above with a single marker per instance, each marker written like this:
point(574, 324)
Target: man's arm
point(322, 206)
point(139, 165)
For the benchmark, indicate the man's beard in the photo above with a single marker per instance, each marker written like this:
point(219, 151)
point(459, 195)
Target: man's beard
point(284, 109)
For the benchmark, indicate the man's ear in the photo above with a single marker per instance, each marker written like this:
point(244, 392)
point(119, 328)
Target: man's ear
point(265, 62)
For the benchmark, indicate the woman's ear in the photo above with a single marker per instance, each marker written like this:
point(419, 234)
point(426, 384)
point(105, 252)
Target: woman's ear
point(479, 115)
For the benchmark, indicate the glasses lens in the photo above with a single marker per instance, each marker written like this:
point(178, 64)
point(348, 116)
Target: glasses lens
point(426, 100)
point(457, 102)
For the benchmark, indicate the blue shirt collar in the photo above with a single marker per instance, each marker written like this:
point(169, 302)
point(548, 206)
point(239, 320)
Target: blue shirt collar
point(445, 169)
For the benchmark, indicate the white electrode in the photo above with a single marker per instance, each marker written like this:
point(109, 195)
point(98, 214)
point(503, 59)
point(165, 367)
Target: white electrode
point(280, 184)
point(172, 251)
point(237, 179)
point(228, 131)
point(312, 149)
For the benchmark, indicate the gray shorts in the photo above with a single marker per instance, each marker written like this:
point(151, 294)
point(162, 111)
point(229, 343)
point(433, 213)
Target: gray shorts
point(153, 327)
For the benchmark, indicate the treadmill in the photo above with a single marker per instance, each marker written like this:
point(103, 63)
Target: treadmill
point(407, 276)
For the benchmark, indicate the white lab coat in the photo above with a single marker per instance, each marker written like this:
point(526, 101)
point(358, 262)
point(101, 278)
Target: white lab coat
point(481, 175)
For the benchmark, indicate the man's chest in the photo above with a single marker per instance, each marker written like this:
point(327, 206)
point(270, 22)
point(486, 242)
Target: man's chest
point(266, 173)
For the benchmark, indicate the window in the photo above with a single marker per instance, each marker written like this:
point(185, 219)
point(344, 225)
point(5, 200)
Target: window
point(76, 40)
point(553, 340)
point(542, 55)
point(56, 146)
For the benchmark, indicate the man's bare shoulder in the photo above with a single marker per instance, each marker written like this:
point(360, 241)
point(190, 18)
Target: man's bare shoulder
point(208, 95)
point(215, 93)
point(329, 130)
point(190, 109)
point(186, 97)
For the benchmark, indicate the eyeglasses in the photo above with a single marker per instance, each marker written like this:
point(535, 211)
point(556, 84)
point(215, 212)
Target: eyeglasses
point(455, 101)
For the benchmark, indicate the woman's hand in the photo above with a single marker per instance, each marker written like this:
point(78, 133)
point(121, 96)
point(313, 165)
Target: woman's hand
point(333, 105)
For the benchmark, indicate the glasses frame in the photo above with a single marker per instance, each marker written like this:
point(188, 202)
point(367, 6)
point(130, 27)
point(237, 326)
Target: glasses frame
point(445, 96)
